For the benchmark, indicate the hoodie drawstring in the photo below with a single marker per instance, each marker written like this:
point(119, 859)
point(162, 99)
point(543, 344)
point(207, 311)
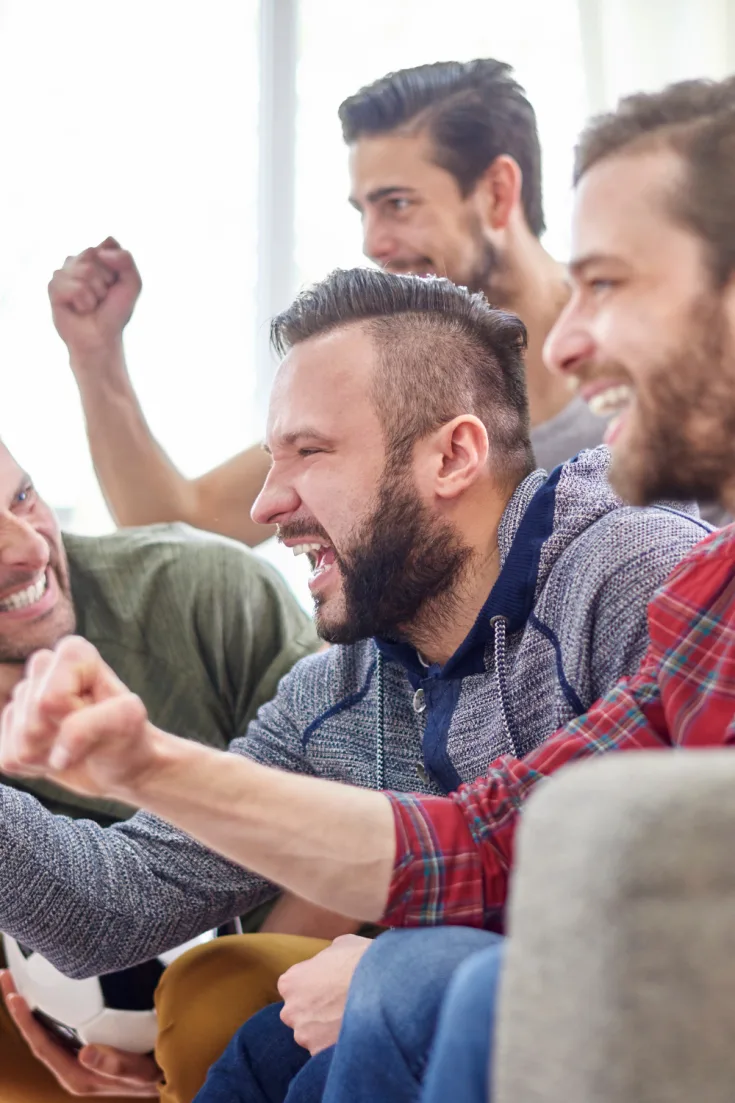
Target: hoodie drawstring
point(380, 724)
point(499, 625)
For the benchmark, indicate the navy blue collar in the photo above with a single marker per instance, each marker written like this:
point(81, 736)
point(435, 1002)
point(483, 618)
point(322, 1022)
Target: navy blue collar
point(512, 596)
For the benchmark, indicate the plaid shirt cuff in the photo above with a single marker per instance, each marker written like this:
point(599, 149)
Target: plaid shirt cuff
point(437, 875)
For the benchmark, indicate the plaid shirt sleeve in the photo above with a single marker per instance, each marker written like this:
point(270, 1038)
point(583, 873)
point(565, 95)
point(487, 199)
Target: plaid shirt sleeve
point(454, 855)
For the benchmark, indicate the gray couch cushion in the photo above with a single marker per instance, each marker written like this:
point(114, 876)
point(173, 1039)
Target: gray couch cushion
point(619, 984)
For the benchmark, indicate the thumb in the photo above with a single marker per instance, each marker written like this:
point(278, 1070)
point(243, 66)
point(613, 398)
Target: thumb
point(114, 723)
point(109, 243)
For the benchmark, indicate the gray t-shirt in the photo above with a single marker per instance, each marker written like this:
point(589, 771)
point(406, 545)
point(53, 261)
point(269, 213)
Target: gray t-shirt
point(576, 427)
point(560, 438)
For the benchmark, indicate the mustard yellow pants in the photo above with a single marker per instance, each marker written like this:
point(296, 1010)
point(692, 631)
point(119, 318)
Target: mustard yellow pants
point(202, 999)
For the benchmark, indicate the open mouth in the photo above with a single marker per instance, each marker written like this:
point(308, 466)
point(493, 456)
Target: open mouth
point(27, 597)
point(610, 401)
point(321, 556)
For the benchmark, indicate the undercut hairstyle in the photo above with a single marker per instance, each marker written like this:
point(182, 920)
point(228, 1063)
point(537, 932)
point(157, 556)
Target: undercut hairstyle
point(695, 119)
point(473, 111)
point(442, 352)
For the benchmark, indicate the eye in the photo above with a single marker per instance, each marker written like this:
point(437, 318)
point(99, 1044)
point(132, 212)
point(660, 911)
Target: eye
point(309, 451)
point(26, 495)
point(399, 204)
point(600, 285)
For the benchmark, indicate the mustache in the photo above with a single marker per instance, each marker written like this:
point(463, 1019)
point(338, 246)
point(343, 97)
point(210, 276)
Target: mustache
point(294, 529)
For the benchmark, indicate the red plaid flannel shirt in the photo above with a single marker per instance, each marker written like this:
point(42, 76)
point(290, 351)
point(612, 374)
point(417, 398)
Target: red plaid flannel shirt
point(454, 855)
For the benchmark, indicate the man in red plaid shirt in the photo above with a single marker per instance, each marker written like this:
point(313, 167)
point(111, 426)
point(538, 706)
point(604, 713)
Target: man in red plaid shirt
point(650, 332)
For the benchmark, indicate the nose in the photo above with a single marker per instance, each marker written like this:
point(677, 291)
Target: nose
point(378, 240)
point(568, 345)
point(22, 547)
point(277, 501)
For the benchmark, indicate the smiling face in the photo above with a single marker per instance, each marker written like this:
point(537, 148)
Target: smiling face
point(35, 594)
point(378, 550)
point(415, 219)
point(647, 335)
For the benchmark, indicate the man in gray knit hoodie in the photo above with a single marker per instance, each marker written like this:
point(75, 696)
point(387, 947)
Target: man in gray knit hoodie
point(477, 606)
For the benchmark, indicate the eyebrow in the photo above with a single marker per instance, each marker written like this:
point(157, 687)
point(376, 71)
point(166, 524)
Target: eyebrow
point(382, 193)
point(288, 440)
point(579, 264)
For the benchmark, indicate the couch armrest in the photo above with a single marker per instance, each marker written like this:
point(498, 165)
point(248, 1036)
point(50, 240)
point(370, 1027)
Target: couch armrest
point(619, 985)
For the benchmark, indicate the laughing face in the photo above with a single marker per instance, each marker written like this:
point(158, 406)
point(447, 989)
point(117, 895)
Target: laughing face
point(647, 336)
point(415, 220)
point(35, 594)
point(377, 550)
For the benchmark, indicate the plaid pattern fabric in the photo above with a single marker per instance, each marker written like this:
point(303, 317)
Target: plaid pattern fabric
point(454, 855)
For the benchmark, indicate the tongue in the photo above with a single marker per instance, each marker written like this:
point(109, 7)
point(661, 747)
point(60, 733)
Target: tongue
point(613, 429)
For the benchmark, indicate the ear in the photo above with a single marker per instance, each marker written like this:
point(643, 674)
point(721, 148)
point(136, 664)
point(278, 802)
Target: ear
point(461, 454)
point(499, 191)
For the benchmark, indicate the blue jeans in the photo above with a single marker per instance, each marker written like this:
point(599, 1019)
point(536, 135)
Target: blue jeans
point(263, 1064)
point(460, 1061)
point(393, 1013)
point(390, 1022)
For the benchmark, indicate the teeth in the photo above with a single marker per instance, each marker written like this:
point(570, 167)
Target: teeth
point(611, 401)
point(306, 549)
point(21, 598)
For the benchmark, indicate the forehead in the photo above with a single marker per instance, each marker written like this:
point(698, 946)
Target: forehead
point(10, 472)
point(622, 210)
point(323, 384)
point(396, 160)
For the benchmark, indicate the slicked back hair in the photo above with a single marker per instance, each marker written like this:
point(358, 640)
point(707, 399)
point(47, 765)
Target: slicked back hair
point(442, 352)
point(473, 111)
point(695, 119)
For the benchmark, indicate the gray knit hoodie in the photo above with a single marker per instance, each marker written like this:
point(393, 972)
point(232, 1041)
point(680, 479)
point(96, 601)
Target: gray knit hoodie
point(564, 621)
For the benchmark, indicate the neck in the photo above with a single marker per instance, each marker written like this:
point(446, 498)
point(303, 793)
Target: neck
point(10, 675)
point(534, 286)
point(445, 623)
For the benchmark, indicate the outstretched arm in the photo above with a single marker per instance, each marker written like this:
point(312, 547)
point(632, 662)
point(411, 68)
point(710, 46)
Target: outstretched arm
point(92, 300)
point(73, 721)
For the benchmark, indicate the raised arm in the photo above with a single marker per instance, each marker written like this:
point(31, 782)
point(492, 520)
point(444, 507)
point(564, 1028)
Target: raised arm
point(92, 300)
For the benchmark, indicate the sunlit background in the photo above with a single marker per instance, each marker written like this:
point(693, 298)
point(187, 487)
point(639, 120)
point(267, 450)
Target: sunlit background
point(205, 137)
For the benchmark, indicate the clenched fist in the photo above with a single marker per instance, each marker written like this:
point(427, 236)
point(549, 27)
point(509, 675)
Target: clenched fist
point(72, 720)
point(92, 298)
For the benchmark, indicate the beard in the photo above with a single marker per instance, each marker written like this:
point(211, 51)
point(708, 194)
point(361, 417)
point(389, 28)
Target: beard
point(487, 273)
point(401, 560)
point(680, 444)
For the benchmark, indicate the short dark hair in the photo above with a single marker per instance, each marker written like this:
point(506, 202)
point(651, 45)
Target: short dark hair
point(474, 111)
point(442, 352)
point(696, 120)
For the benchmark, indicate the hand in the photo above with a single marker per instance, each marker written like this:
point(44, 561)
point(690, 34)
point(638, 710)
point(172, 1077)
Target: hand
point(95, 1070)
point(72, 720)
point(315, 992)
point(92, 299)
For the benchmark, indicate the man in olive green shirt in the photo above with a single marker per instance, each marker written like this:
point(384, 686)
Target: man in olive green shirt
point(200, 627)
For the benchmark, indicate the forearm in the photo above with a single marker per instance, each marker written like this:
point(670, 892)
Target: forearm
point(127, 892)
point(330, 844)
point(140, 484)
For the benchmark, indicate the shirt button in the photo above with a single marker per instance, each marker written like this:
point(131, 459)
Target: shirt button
point(421, 771)
point(419, 701)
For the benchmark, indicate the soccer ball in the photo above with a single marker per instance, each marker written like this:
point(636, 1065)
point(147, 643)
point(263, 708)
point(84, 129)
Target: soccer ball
point(112, 1010)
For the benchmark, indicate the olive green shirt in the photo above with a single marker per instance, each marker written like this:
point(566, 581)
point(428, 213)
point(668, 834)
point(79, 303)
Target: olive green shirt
point(198, 626)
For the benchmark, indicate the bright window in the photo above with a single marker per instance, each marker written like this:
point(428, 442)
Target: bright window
point(137, 119)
